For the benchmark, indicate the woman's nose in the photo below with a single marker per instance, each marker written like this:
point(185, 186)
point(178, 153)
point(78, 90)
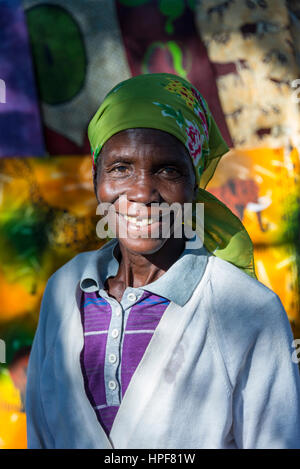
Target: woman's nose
point(143, 190)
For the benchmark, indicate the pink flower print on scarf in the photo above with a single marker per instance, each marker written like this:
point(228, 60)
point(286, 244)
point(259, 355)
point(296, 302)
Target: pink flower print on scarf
point(201, 116)
point(194, 141)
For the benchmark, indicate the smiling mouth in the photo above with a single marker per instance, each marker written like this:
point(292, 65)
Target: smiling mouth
point(156, 226)
point(143, 221)
point(140, 221)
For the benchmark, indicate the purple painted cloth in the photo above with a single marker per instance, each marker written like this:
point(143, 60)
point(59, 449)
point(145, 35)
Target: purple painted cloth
point(142, 320)
point(20, 124)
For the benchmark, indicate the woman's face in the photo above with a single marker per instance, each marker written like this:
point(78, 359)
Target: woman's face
point(137, 168)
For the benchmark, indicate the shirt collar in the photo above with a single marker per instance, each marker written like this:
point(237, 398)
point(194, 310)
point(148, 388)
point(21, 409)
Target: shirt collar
point(177, 284)
point(101, 265)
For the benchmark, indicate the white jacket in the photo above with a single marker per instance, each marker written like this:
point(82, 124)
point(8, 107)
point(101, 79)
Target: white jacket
point(217, 372)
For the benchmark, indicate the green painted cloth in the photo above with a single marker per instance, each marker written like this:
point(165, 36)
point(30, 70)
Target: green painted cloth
point(170, 103)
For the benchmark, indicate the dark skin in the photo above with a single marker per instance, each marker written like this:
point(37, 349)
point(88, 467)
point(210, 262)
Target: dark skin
point(146, 166)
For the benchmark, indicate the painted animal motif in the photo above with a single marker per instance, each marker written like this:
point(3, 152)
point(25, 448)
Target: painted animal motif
point(241, 194)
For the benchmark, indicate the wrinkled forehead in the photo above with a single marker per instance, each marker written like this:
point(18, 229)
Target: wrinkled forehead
point(157, 145)
point(144, 137)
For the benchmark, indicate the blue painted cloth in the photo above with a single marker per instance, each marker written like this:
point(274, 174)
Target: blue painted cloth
point(20, 123)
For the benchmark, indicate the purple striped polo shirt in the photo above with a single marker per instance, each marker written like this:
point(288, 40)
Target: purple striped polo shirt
point(135, 326)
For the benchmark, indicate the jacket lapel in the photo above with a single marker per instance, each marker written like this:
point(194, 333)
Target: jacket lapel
point(149, 373)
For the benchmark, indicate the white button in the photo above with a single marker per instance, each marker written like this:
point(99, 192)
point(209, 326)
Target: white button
point(112, 385)
point(112, 358)
point(114, 333)
point(131, 297)
point(118, 312)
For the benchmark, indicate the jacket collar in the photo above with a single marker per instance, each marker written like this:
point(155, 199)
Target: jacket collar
point(177, 284)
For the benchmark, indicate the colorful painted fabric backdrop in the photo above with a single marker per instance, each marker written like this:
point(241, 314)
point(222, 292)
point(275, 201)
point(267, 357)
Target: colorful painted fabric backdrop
point(262, 187)
point(20, 124)
point(58, 60)
point(252, 46)
point(74, 78)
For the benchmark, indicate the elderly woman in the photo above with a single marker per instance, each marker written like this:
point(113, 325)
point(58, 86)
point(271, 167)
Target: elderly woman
point(160, 340)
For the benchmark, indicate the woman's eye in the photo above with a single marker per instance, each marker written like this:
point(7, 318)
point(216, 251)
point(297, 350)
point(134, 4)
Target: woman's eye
point(170, 172)
point(119, 170)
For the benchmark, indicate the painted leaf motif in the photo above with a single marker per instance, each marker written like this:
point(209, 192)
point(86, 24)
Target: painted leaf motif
point(169, 111)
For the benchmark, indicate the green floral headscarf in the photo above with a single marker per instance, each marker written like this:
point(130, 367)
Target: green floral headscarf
point(167, 102)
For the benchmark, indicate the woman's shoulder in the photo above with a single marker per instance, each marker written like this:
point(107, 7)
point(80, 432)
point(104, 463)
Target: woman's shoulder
point(236, 295)
point(226, 275)
point(249, 324)
point(76, 266)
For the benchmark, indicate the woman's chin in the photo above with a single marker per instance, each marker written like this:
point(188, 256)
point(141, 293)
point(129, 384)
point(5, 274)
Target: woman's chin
point(143, 246)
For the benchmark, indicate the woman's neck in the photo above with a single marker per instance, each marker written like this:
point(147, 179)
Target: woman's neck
point(136, 270)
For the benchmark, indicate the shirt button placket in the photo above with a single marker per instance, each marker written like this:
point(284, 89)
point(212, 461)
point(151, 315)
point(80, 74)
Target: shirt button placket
point(112, 356)
point(131, 297)
point(112, 385)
